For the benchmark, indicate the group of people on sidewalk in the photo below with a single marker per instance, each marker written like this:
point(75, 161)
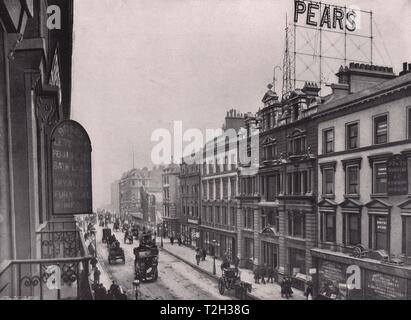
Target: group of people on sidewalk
point(201, 255)
point(179, 240)
point(263, 272)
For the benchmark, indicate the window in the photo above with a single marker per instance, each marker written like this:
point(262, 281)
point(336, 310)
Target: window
point(297, 182)
point(380, 178)
point(217, 215)
point(328, 181)
point(328, 226)
point(272, 219)
point(353, 180)
point(406, 236)
point(381, 129)
point(328, 141)
point(217, 190)
point(289, 183)
point(379, 232)
point(225, 188)
point(298, 146)
point(270, 152)
point(297, 261)
point(296, 224)
point(352, 136)
point(248, 219)
point(205, 190)
point(352, 229)
point(210, 214)
point(233, 217)
point(210, 190)
point(409, 122)
point(273, 187)
point(225, 217)
point(233, 188)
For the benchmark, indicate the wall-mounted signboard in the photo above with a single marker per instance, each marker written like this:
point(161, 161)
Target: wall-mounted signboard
point(71, 169)
point(397, 175)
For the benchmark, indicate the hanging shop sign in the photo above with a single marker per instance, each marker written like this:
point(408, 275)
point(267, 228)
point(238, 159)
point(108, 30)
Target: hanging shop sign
point(71, 169)
point(316, 14)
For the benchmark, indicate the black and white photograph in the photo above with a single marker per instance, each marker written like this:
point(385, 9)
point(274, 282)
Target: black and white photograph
point(222, 152)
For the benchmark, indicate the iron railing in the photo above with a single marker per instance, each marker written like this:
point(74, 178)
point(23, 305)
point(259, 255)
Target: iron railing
point(61, 273)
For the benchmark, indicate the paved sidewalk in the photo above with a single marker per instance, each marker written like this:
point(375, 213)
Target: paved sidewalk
point(259, 291)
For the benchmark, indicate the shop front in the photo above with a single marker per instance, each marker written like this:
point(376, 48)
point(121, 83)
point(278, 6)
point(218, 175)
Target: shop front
point(223, 243)
point(348, 278)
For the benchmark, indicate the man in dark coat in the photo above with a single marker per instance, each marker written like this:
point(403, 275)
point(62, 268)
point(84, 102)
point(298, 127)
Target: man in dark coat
point(263, 273)
point(172, 240)
point(256, 275)
point(270, 274)
point(93, 262)
point(204, 252)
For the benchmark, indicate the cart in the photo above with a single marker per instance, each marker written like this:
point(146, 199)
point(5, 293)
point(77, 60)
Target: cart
point(116, 254)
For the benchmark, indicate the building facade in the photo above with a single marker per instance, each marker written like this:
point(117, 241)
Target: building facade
point(219, 189)
point(190, 182)
point(278, 217)
point(365, 184)
point(115, 197)
point(35, 64)
point(171, 201)
point(132, 188)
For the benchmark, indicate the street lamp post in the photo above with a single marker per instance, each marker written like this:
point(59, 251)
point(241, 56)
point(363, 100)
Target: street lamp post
point(136, 284)
point(162, 231)
point(214, 268)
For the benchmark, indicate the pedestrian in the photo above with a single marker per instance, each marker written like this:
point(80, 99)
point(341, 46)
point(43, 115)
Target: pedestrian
point(93, 262)
point(263, 273)
point(172, 240)
point(179, 240)
point(198, 256)
point(101, 292)
point(91, 250)
point(270, 274)
point(283, 291)
point(97, 274)
point(236, 262)
point(288, 289)
point(309, 291)
point(256, 275)
point(204, 254)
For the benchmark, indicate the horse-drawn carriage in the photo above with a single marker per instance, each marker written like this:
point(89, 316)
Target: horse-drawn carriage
point(135, 231)
point(146, 262)
point(230, 280)
point(116, 226)
point(128, 237)
point(106, 235)
point(116, 253)
point(125, 227)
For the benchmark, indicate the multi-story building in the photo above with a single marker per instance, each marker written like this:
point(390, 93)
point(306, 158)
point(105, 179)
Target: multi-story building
point(219, 188)
point(278, 205)
point(132, 187)
point(364, 210)
point(171, 200)
point(115, 197)
point(35, 96)
point(190, 181)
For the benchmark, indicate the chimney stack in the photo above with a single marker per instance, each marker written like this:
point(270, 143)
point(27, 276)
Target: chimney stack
point(406, 68)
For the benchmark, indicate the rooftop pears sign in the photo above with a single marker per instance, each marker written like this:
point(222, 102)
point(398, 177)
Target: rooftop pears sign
point(317, 14)
point(71, 169)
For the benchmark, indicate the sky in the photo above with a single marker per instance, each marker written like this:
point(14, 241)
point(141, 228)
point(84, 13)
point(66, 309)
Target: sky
point(140, 65)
